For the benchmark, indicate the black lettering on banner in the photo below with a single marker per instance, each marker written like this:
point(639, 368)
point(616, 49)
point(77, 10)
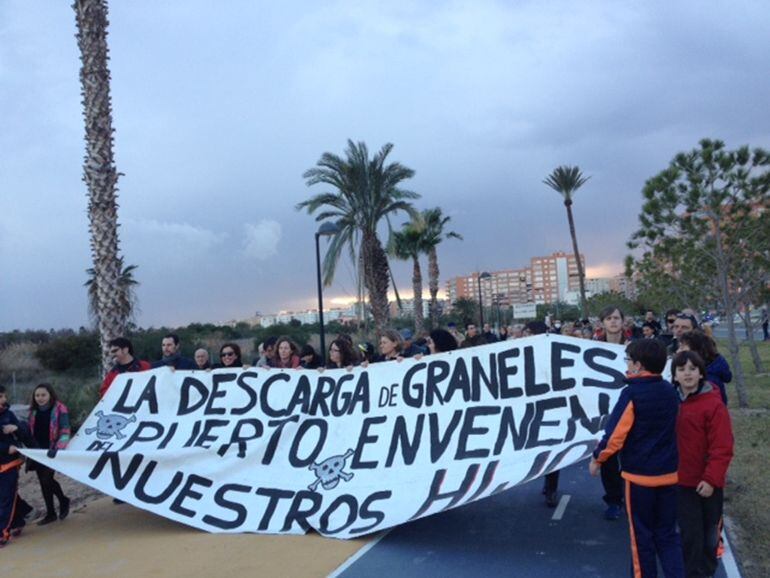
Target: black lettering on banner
point(238, 437)
point(266, 409)
point(142, 495)
point(478, 375)
point(344, 499)
point(508, 426)
point(304, 427)
point(578, 414)
point(384, 397)
point(194, 434)
point(536, 467)
point(438, 443)
point(591, 357)
point(542, 406)
point(250, 391)
point(400, 437)
point(278, 424)
point(486, 480)
point(360, 395)
point(454, 497)
point(363, 439)
point(206, 436)
point(147, 396)
point(588, 448)
point(366, 514)
point(218, 379)
point(187, 492)
point(169, 436)
point(460, 380)
point(97, 446)
point(347, 399)
point(531, 387)
point(468, 429)
point(120, 479)
point(221, 500)
point(604, 409)
point(558, 362)
point(413, 394)
point(323, 390)
point(190, 384)
point(299, 514)
point(505, 371)
point(139, 435)
point(301, 396)
point(437, 372)
point(273, 495)
point(393, 395)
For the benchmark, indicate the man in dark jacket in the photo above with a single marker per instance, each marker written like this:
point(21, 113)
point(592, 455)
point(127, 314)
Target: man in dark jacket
point(642, 428)
point(171, 347)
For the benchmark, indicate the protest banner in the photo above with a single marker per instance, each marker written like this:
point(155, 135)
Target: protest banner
point(346, 453)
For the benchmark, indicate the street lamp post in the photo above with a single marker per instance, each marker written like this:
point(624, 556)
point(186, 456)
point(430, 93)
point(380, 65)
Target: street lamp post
point(327, 228)
point(481, 276)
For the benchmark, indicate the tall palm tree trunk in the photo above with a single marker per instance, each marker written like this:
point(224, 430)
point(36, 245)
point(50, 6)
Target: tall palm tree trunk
point(433, 276)
point(99, 172)
point(417, 301)
point(376, 278)
point(581, 274)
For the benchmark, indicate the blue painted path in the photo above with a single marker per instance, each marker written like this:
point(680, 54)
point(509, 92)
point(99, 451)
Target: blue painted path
point(511, 534)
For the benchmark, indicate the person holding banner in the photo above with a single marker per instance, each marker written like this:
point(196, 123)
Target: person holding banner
point(13, 509)
point(122, 351)
point(612, 320)
point(340, 355)
point(229, 356)
point(391, 345)
point(440, 340)
point(49, 424)
point(286, 354)
point(642, 429)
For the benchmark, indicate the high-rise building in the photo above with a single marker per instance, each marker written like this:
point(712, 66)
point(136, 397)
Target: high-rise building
point(546, 280)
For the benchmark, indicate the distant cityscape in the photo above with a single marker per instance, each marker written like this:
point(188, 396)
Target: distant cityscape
point(546, 280)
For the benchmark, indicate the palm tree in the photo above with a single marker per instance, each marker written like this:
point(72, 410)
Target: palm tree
point(99, 172)
point(566, 181)
point(366, 191)
point(435, 223)
point(409, 243)
point(127, 283)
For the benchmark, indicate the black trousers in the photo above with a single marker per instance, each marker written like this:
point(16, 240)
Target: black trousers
point(700, 523)
point(49, 488)
point(612, 482)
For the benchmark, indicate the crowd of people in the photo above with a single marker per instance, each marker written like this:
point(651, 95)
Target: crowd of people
point(663, 457)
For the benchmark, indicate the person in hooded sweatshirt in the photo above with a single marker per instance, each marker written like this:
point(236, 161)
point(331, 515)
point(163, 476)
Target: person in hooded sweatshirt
point(717, 369)
point(705, 444)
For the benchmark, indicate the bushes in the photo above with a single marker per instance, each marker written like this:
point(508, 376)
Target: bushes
point(72, 352)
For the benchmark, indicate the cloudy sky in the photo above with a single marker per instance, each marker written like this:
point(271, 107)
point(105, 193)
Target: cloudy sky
point(220, 106)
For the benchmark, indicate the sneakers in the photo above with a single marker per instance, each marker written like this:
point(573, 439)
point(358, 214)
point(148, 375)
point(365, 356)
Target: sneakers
point(16, 532)
point(48, 519)
point(64, 507)
point(551, 499)
point(613, 512)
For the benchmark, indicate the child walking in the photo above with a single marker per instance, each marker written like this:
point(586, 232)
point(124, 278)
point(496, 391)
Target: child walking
point(49, 423)
point(705, 440)
point(642, 429)
point(13, 509)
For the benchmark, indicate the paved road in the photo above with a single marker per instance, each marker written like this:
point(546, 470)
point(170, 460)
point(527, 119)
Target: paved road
point(512, 534)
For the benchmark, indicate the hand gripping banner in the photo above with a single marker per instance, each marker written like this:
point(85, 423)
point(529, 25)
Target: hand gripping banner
point(346, 453)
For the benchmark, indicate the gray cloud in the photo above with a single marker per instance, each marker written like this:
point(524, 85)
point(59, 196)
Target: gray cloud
point(219, 109)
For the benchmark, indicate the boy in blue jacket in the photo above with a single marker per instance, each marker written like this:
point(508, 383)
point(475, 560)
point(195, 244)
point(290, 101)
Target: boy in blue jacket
point(642, 430)
point(13, 509)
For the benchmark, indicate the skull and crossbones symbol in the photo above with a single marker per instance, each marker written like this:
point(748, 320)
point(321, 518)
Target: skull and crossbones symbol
point(110, 425)
point(330, 471)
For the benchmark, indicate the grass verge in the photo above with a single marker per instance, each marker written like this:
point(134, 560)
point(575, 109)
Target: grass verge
point(748, 487)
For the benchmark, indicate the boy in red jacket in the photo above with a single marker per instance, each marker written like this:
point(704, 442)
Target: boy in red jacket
point(705, 441)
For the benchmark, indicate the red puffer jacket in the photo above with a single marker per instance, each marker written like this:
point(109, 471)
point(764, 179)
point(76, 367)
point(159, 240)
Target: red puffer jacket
point(705, 438)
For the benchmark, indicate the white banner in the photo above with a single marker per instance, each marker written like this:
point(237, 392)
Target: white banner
point(345, 453)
